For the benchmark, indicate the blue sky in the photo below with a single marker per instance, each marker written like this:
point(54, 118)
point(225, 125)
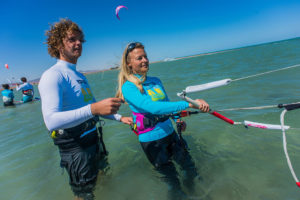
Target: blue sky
point(167, 28)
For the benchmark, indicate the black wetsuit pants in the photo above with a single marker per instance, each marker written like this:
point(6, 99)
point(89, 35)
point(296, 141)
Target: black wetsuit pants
point(162, 152)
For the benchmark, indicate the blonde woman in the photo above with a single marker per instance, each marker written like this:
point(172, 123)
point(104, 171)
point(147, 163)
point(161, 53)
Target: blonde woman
point(148, 101)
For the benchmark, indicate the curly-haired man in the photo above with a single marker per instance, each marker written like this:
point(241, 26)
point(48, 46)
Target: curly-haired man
point(71, 112)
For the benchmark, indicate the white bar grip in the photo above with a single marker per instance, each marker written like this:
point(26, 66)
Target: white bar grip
point(188, 99)
point(206, 86)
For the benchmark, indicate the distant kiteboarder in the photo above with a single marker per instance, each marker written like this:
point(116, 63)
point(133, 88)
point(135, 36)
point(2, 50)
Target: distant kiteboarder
point(118, 9)
point(7, 95)
point(27, 90)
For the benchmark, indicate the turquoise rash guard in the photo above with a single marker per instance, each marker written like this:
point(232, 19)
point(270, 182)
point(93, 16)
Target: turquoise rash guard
point(66, 97)
point(24, 87)
point(8, 95)
point(155, 101)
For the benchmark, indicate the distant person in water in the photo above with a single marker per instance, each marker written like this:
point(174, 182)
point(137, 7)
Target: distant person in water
point(27, 90)
point(7, 95)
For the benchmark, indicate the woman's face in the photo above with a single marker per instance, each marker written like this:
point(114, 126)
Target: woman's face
point(138, 61)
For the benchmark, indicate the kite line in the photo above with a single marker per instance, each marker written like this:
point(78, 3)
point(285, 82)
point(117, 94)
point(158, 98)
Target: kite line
point(282, 127)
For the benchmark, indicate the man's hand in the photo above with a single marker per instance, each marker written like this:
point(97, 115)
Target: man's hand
point(127, 120)
point(106, 107)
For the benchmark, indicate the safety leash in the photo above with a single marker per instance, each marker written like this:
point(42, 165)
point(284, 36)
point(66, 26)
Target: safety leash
point(288, 108)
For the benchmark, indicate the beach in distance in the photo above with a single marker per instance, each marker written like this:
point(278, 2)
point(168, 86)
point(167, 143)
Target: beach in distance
point(234, 163)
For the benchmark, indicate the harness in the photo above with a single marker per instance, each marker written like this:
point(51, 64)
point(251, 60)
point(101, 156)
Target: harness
point(145, 122)
point(7, 99)
point(28, 92)
point(81, 136)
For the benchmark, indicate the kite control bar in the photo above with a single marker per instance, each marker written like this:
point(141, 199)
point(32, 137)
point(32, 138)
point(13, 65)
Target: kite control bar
point(218, 115)
point(214, 113)
point(206, 86)
point(289, 107)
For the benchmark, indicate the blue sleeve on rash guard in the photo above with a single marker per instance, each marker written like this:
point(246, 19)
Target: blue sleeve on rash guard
point(175, 117)
point(143, 103)
point(19, 87)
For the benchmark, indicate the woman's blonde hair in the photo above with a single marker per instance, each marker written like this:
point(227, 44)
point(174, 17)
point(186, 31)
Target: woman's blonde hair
point(126, 73)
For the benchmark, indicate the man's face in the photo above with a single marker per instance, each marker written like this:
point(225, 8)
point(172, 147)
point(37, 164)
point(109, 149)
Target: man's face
point(72, 47)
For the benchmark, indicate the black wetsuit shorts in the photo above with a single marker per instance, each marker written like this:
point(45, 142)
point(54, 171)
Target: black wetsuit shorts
point(83, 167)
point(10, 103)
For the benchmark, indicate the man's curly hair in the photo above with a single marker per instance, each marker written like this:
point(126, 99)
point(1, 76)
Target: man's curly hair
point(58, 31)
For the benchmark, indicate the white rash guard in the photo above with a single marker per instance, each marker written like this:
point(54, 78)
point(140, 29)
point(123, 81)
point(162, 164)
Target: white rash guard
point(66, 97)
point(24, 86)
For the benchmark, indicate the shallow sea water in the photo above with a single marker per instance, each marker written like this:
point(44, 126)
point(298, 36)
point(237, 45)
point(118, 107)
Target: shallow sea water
point(234, 162)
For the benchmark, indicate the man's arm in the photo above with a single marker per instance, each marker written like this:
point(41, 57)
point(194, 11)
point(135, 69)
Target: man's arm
point(51, 92)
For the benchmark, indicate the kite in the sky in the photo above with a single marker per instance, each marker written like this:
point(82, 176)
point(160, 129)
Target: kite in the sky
point(6, 66)
point(118, 9)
